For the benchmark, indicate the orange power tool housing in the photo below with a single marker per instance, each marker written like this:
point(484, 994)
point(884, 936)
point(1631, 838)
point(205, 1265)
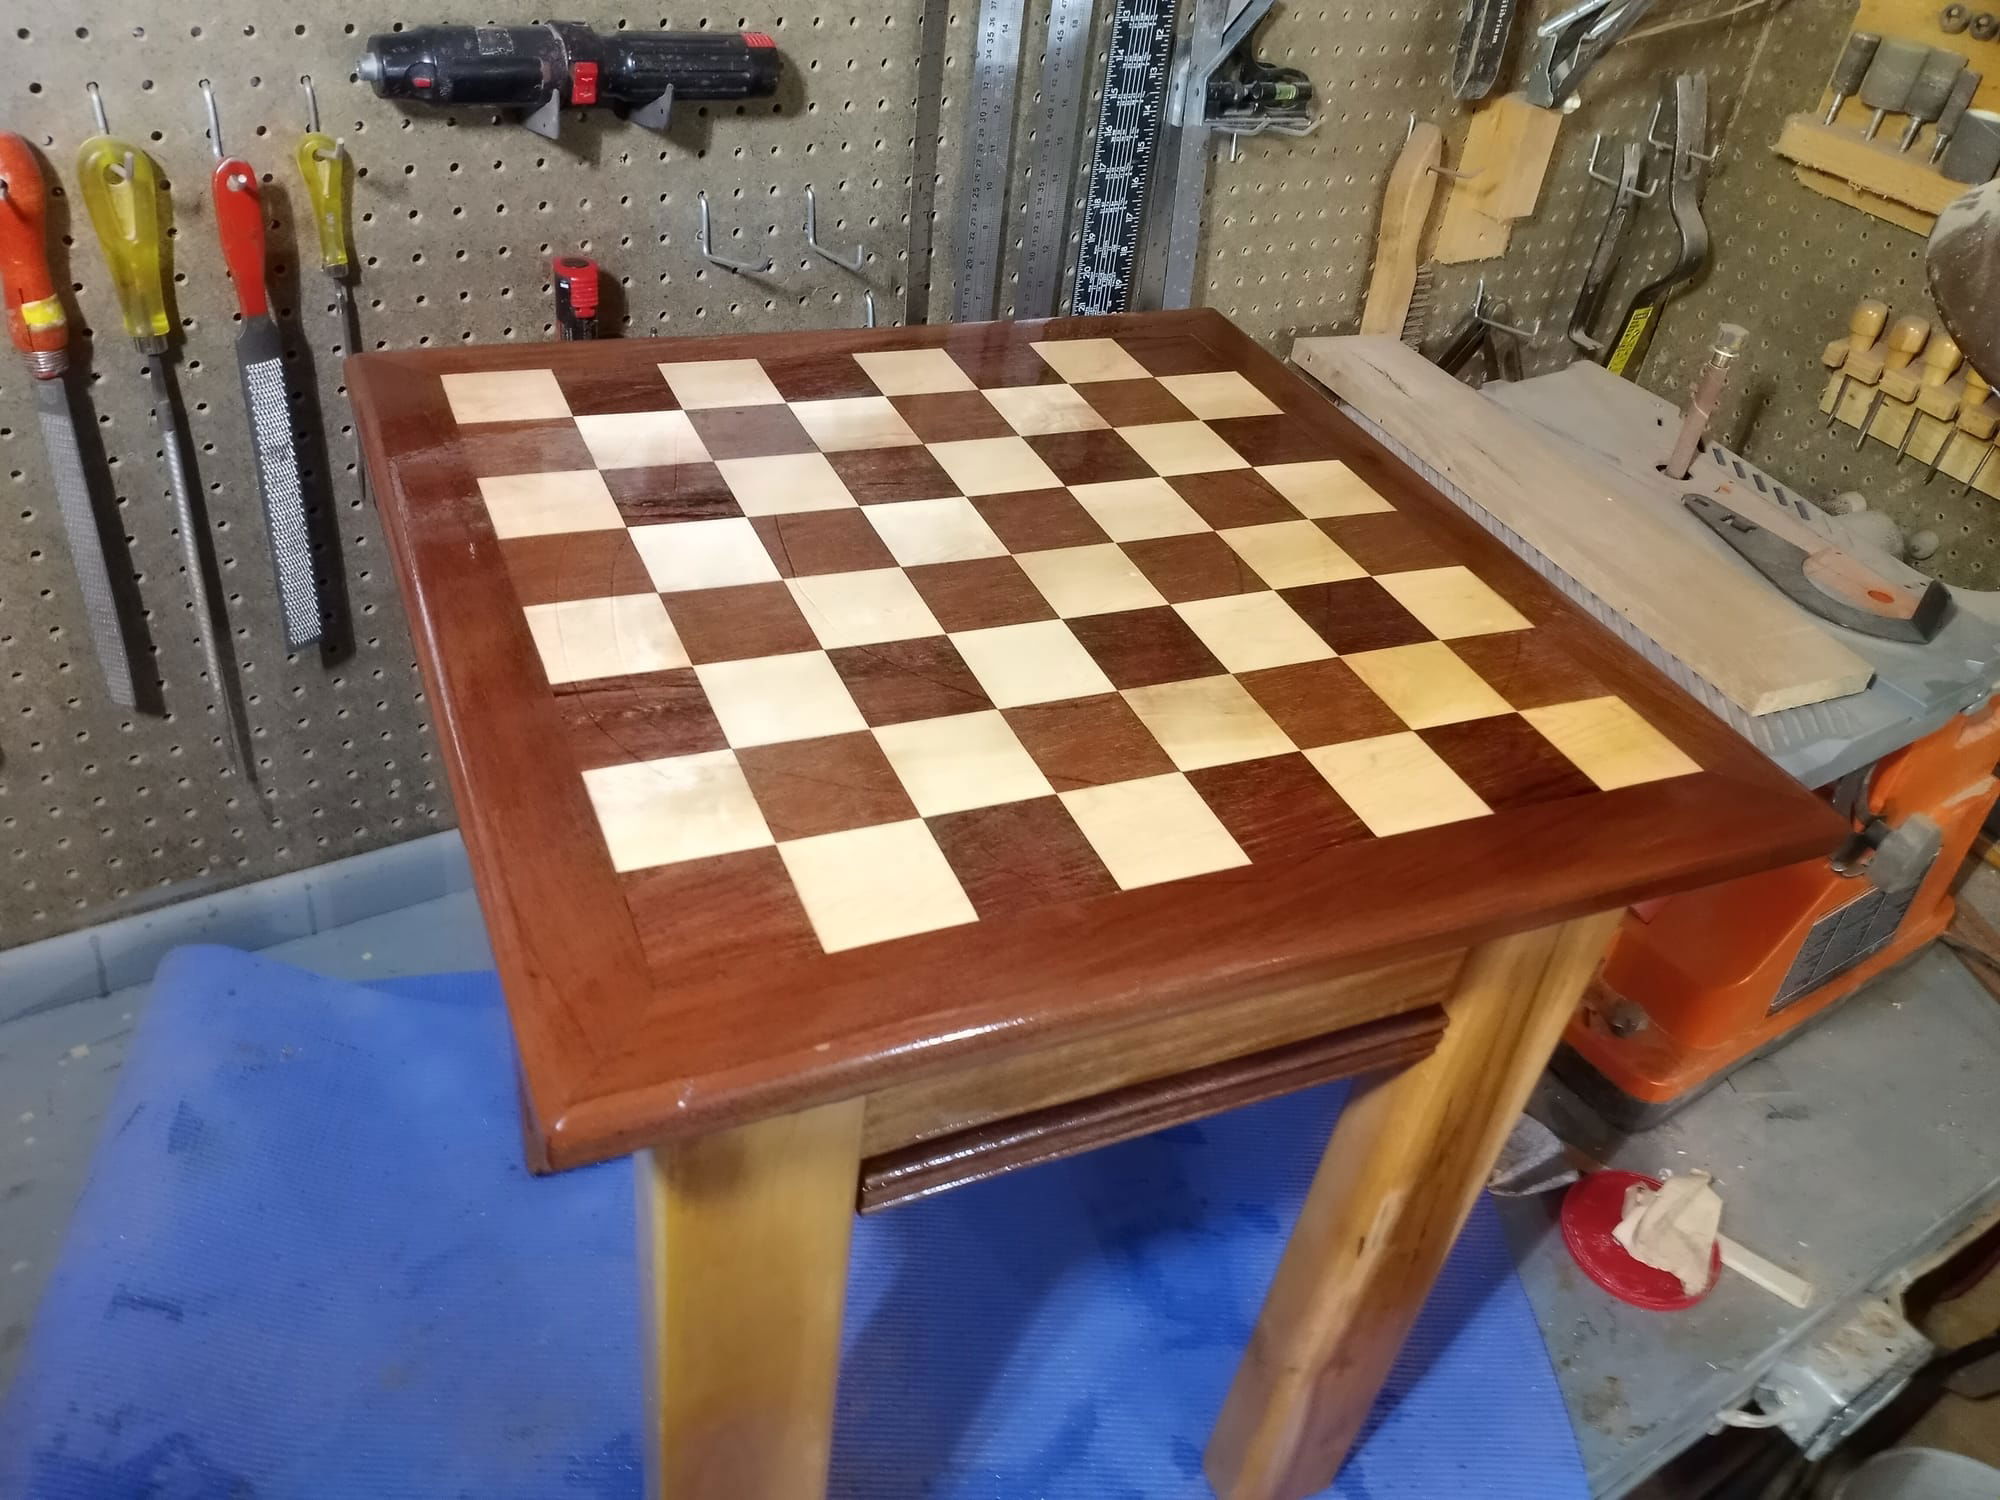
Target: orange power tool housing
point(1697, 983)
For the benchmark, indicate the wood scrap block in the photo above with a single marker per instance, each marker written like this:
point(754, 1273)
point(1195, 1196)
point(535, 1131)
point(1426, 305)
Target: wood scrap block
point(1507, 151)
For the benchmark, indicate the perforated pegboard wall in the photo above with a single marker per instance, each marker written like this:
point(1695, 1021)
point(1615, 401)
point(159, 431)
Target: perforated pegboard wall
point(1791, 273)
point(457, 216)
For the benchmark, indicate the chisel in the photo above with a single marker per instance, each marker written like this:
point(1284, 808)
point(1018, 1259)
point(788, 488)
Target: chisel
point(1941, 359)
point(323, 163)
point(1903, 343)
point(260, 355)
point(121, 189)
point(1851, 354)
point(40, 330)
point(1850, 70)
point(1891, 72)
point(1962, 90)
point(1973, 418)
point(1930, 92)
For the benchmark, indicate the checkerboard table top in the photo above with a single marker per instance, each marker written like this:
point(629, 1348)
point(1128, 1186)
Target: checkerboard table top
point(812, 699)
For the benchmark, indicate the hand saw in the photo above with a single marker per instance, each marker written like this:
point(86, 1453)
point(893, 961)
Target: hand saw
point(1829, 581)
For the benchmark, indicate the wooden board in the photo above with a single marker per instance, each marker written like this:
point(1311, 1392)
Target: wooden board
point(826, 712)
point(1677, 584)
point(1901, 188)
point(1507, 151)
point(1406, 206)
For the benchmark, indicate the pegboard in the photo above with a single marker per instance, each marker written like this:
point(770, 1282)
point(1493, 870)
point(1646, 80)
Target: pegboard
point(1791, 273)
point(458, 214)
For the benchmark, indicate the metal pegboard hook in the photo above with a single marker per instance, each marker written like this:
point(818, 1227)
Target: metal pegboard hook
point(868, 309)
point(214, 118)
point(1479, 316)
point(97, 108)
point(813, 244)
point(702, 243)
point(312, 104)
point(1608, 180)
point(1439, 171)
point(1653, 138)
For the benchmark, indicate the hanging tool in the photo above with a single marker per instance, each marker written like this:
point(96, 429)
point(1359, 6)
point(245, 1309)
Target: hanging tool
point(1962, 90)
point(1627, 190)
point(1130, 109)
point(1851, 69)
point(1569, 45)
point(1687, 181)
point(1890, 76)
point(323, 163)
point(988, 159)
point(1482, 45)
point(1706, 396)
point(1833, 583)
point(575, 278)
point(1052, 152)
point(1973, 152)
point(260, 356)
point(1905, 341)
point(1391, 304)
point(1929, 94)
point(40, 330)
point(1973, 418)
point(565, 65)
point(121, 189)
point(1484, 331)
point(1864, 327)
point(1941, 359)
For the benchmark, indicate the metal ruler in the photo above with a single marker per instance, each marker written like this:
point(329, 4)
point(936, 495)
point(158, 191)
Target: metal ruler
point(1052, 175)
point(996, 76)
point(1128, 127)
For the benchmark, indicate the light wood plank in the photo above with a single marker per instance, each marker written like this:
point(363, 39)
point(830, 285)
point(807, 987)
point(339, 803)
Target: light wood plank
point(1009, 1086)
point(1406, 205)
point(1645, 558)
point(1400, 1174)
point(1507, 151)
point(743, 1256)
point(1876, 168)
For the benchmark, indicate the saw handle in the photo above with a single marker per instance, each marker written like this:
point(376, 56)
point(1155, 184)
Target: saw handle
point(239, 220)
point(35, 319)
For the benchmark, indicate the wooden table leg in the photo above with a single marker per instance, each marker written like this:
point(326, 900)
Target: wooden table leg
point(1405, 1164)
point(743, 1258)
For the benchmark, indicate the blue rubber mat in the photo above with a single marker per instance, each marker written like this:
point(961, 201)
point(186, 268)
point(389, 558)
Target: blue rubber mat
point(309, 1264)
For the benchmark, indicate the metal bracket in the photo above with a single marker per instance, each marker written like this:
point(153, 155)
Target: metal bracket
point(1707, 158)
point(740, 267)
point(813, 244)
point(1617, 184)
point(1479, 305)
point(654, 116)
point(545, 119)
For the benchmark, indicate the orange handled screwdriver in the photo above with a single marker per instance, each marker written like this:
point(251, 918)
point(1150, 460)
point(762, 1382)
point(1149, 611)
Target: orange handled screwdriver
point(40, 330)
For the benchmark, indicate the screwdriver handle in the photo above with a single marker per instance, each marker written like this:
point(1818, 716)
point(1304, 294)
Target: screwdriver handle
point(35, 319)
point(121, 188)
point(323, 165)
point(239, 220)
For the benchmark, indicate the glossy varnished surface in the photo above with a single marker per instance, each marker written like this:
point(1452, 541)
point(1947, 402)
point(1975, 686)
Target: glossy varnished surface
point(829, 710)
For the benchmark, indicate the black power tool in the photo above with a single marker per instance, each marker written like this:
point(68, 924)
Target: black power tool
point(564, 64)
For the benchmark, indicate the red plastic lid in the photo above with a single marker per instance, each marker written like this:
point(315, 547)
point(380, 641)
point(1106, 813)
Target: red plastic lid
point(1591, 1210)
point(757, 39)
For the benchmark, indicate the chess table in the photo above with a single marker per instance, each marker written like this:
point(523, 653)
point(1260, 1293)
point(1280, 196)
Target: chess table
point(891, 757)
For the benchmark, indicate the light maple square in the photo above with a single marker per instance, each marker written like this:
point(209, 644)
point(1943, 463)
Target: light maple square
point(870, 885)
point(1152, 830)
point(660, 812)
point(707, 383)
point(549, 504)
point(504, 396)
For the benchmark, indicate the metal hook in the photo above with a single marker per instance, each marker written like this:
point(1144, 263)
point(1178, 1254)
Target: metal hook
point(739, 266)
point(813, 244)
point(1652, 139)
point(312, 104)
point(97, 108)
point(1479, 316)
point(1615, 182)
point(868, 310)
point(214, 118)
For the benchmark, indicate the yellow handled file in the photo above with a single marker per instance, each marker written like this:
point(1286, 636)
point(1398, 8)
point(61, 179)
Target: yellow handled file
point(121, 188)
point(323, 164)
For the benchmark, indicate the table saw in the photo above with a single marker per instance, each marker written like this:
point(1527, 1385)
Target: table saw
point(1901, 736)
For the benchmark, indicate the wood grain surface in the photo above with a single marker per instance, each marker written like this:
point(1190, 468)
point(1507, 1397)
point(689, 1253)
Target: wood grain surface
point(1756, 647)
point(652, 1005)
